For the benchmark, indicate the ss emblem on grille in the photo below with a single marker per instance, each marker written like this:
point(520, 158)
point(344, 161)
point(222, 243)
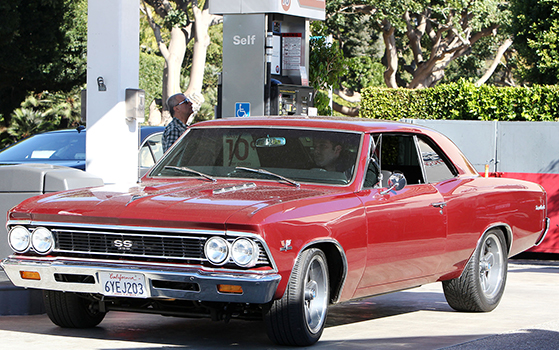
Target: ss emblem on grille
point(122, 244)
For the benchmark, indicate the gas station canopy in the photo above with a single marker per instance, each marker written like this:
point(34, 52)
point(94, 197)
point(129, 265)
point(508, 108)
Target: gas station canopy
point(311, 9)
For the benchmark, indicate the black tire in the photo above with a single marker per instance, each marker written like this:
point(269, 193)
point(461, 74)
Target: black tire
point(69, 310)
point(298, 318)
point(482, 283)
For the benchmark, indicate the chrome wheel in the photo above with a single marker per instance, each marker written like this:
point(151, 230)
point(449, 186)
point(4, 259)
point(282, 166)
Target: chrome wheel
point(491, 264)
point(482, 283)
point(316, 294)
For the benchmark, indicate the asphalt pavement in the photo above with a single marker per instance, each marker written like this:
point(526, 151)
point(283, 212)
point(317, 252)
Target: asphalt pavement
point(527, 318)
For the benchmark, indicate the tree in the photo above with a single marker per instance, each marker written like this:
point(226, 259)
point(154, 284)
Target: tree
point(535, 26)
point(44, 111)
point(185, 20)
point(42, 47)
point(328, 65)
point(421, 38)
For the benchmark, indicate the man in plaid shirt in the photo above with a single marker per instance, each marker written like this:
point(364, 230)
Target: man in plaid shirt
point(181, 110)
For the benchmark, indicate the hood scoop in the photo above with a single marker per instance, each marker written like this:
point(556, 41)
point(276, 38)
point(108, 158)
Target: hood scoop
point(244, 186)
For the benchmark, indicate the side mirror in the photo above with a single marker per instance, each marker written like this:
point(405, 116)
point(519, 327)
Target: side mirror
point(396, 182)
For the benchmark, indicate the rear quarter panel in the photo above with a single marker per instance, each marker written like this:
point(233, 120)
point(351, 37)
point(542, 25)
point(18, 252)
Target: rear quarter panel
point(478, 204)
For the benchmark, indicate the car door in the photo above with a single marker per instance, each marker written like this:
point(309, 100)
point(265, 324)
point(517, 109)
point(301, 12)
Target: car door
point(406, 228)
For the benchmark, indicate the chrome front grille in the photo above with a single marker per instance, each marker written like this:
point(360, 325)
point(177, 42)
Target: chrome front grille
point(158, 244)
point(138, 245)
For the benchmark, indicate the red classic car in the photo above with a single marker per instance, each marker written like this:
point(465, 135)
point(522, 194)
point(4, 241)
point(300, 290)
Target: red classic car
point(277, 218)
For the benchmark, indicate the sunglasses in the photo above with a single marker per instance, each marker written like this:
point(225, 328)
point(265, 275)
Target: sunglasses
point(183, 101)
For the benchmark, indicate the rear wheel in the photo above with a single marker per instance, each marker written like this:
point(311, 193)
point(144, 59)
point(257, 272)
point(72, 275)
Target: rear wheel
point(69, 310)
point(482, 283)
point(298, 318)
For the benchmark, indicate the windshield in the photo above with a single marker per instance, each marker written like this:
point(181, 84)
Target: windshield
point(59, 146)
point(286, 155)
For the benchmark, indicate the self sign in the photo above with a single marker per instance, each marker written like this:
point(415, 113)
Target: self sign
point(249, 40)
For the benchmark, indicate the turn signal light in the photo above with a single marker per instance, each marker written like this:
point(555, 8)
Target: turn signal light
point(228, 288)
point(30, 275)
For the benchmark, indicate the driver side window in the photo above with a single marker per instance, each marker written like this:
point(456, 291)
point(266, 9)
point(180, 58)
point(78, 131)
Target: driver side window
point(391, 153)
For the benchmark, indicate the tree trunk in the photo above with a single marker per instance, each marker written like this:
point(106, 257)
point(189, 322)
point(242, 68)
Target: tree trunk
point(174, 59)
point(391, 54)
point(500, 52)
point(203, 20)
point(431, 73)
point(349, 111)
point(155, 117)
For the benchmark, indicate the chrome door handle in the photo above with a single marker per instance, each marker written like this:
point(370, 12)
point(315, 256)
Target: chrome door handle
point(439, 205)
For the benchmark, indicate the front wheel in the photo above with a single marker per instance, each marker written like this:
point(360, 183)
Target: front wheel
point(298, 318)
point(69, 310)
point(482, 283)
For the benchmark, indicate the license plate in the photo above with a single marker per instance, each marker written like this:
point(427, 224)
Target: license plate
point(118, 284)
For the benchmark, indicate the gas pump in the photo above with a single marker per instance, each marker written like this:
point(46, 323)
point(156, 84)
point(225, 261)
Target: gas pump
point(289, 99)
point(266, 56)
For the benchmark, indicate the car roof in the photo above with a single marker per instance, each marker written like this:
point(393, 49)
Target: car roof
point(332, 123)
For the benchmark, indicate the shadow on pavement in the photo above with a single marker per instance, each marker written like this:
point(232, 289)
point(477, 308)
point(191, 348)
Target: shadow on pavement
point(194, 333)
point(521, 340)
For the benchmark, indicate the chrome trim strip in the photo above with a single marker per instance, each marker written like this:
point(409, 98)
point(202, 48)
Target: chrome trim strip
point(121, 234)
point(141, 264)
point(544, 232)
point(117, 227)
point(508, 235)
point(256, 125)
point(258, 288)
point(478, 243)
point(127, 255)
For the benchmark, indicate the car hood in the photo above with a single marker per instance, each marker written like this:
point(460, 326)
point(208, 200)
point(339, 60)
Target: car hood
point(191, 203)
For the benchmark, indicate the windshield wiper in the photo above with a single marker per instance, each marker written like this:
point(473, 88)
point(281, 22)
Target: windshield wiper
point(269, 173)
point(190, 171)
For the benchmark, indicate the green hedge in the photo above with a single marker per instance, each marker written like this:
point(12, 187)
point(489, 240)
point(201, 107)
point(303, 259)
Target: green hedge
point(463, 101)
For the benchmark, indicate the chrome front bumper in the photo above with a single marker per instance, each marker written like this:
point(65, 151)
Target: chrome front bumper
point(258, 288)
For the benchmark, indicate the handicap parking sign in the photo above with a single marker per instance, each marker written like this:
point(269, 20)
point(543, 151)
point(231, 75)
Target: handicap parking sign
point(242, 109)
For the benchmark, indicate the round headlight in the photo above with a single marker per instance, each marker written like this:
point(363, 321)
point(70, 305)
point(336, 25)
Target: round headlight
point(19, 238)
point(42, 240)
point(244, 252)
point(217, 250)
